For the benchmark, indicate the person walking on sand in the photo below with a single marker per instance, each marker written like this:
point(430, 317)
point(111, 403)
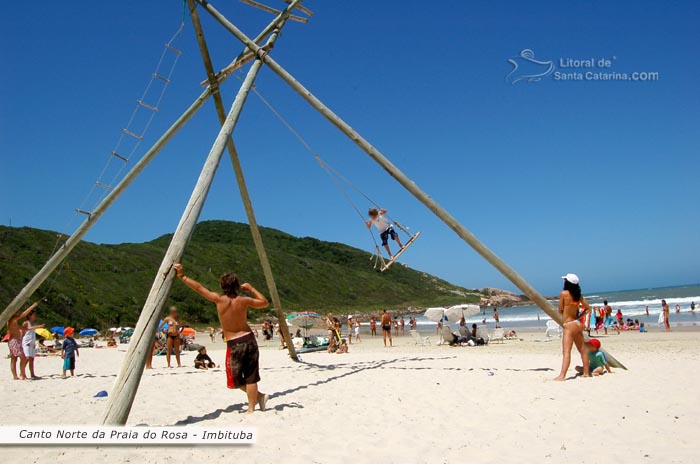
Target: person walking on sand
point(29, 341)
point(666, 311)
point(373, 326)
point(330, 328)
point(608, 319)
point(69, 350)
point(242, 355)
point(386, 327)
point(570, 300)
point(357, 331)
point(350, 324)
point(14, 329)
point(396, 326)
point(173, 335)
point(402, 325)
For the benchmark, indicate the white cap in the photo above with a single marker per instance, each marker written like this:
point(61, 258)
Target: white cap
point(350, 316)
point(572, 278)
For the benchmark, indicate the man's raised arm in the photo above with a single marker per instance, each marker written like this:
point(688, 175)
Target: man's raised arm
point(28, 310)
point(194, 285)
point(258, 301)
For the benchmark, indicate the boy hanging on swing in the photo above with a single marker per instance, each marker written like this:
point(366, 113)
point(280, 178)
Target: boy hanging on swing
point(385, 228)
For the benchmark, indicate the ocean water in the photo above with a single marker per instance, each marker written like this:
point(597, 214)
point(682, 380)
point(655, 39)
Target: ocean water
point(632, 303)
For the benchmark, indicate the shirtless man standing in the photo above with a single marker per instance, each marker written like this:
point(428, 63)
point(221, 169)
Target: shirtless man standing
point(386, 327)
point(15, 343)
point(242, 356)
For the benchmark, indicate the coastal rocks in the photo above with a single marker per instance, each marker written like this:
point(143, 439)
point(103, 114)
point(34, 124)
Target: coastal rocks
point(501, 298)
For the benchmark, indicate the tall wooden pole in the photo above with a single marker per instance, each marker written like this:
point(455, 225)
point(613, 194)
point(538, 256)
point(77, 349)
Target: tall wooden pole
point(238, 169)
point(75, 238)
point(126, 385)
point(397, 174)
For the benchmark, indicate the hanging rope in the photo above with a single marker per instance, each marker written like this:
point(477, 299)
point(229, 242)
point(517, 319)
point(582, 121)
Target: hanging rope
point(335, 175)
point(129, 139)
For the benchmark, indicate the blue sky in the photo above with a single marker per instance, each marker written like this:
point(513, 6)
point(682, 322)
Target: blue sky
point(597, 178)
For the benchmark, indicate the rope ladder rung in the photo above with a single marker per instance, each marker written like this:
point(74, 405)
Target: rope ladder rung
point(146, 105)
point(123, 158)
point(136, 136)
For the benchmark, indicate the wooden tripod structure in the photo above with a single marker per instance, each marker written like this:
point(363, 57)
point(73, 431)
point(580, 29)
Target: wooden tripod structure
point(125, 388)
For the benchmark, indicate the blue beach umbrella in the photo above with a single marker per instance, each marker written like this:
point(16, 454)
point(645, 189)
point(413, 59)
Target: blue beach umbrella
point(88, 333)
point(57, 330)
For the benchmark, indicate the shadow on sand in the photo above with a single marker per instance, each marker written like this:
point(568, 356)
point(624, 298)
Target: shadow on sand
point(344, 370)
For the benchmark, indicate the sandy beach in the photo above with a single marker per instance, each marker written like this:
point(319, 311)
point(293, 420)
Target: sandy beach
point(403, 404)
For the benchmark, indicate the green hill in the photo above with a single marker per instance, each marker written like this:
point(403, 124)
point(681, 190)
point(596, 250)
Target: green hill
point(105, 285)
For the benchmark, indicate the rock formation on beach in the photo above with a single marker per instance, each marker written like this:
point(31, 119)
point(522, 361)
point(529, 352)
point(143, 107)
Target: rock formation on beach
point(494, 297)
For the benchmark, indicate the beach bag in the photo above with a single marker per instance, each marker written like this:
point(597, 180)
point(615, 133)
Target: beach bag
point(661, 318)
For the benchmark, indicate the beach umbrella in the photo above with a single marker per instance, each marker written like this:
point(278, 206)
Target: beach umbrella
point(44, 333)
point(188, 332)
point(434, 314)
point(455, 313)
point(88, 333)
point(57, 330)
point(305, 319)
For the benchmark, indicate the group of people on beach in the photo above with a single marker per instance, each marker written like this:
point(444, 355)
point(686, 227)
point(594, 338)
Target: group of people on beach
point(21, 329)
point(602, 318)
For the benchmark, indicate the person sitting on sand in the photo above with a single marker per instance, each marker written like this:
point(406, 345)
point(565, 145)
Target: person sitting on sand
point(173, 335)
point(616, 327)
point(570, 300)
point(386, 230)
point(343, 347)
point(642, 328)
point(15, 343)
point(203, 361)
point(464, 333)
point(111, 343)
point(597, 362)
point(242, 355)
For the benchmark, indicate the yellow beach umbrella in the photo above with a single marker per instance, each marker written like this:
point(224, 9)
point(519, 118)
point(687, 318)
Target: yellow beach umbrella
point(44, 333)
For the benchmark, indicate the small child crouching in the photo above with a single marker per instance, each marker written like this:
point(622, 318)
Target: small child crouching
point(596, 358)
point(203, 361)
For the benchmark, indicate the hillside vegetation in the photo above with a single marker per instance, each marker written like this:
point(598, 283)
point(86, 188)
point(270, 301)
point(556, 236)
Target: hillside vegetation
point(105, 285)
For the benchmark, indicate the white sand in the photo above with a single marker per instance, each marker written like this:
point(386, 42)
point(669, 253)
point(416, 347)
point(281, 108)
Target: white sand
point(406, 404)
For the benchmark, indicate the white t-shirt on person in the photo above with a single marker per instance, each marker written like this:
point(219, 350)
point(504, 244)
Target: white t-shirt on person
point(381, 223)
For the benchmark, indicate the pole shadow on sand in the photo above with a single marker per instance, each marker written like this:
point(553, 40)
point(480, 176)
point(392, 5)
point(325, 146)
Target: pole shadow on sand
point(352, 369)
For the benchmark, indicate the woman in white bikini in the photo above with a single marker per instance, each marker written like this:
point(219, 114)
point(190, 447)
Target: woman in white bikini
point(570, 303)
